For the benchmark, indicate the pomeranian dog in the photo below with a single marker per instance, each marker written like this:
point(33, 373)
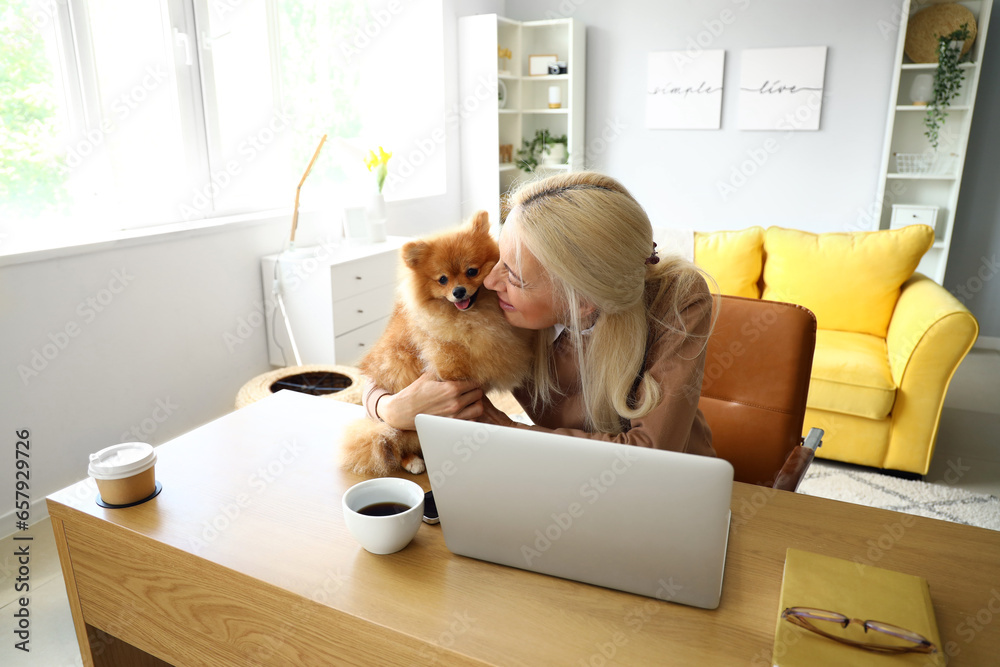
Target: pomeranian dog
point(444, 322)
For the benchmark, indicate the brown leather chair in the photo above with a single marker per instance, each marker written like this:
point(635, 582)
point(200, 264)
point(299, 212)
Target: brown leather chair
point(753, 396)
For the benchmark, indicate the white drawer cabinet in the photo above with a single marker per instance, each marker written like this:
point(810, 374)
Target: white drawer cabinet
point(356, 311)
point(354, 344)
point(338, 300)
point(907, 214)
point(360, 275)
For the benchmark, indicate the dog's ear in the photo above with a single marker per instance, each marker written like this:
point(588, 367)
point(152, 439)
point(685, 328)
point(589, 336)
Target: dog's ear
point(480, 222)
point(413, 252)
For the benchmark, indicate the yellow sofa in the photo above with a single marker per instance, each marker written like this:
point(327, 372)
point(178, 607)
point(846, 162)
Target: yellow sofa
point(889, 339)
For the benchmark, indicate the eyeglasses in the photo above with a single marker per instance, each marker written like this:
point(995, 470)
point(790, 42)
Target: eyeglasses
point(887, 638)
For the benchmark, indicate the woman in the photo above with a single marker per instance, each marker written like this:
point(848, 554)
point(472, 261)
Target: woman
point(621, 334)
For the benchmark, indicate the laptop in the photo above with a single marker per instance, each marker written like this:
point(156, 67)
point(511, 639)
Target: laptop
point(634, 519)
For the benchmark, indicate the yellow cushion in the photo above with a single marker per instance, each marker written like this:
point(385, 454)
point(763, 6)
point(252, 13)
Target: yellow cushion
point(850, 280)
point(733, 258)
point(851, 375)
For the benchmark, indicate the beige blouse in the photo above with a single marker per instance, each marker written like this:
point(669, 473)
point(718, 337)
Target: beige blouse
point(675, 423)
point(677, 364)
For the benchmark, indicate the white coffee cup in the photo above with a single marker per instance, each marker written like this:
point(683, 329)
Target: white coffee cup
point(383, 534)
point(124, 473)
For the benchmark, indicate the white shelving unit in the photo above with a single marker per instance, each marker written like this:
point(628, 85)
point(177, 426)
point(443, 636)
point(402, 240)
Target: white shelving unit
point(485, 125)
point(940, 186)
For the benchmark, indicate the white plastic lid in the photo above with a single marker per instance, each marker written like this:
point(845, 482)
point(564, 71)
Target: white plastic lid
point(120, 461)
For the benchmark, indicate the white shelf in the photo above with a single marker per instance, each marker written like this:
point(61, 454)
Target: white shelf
point(923, 177)
point(543, 23)
point(905, 133)
point(537, 77)
point(526, 112)
point(928, 66)
point(540, 167)
point(917, 107)
point(546, 77)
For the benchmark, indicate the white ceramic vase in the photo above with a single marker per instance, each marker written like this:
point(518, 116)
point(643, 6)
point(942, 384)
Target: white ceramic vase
point(922, 89)
point(376, 219)
point(556, 155)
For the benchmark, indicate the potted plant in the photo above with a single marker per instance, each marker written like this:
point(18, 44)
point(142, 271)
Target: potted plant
point(947, 81)
point(542, 145)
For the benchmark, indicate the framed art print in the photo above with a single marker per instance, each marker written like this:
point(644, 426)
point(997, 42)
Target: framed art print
point(539, 65)
point(782, 89)
point(684, 93)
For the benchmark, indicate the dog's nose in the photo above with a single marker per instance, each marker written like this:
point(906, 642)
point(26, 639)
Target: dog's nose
point(458, 292)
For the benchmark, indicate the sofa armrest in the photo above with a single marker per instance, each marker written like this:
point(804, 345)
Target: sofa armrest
point(923, 305)
point(929, 334)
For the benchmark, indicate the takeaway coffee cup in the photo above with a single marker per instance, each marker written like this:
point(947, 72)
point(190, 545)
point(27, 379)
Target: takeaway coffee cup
point(384, 514)
point(124, 473)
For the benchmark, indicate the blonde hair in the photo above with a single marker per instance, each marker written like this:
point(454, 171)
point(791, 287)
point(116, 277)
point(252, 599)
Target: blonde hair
point(593, 239)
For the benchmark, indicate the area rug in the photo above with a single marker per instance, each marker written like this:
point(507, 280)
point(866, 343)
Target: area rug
point(937, 501)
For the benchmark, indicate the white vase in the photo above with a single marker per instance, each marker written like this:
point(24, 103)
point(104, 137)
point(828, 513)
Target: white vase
point(376, 219)
point(556, 155)
point(922, 89)
point(555, 97)
point(376, 206)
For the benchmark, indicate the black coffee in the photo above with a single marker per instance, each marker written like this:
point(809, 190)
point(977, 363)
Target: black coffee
point(383, 509)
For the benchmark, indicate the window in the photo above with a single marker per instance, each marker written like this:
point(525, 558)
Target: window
point(32, 184)
point(119, 114)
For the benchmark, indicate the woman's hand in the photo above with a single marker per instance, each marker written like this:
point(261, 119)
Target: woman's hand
point(459, 399)
point(492, 415)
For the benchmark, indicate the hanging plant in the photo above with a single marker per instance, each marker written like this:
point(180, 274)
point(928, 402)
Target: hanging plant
point(948, 81)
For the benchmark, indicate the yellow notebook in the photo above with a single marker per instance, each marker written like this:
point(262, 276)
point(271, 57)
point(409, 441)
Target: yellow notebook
point(857, 591)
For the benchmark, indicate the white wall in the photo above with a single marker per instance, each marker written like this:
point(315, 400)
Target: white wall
point(973, 274)
point(126, 337)
point(155, 356)
point(816, 181)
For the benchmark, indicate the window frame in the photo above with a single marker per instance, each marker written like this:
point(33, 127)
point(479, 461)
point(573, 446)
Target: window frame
point(76, 80)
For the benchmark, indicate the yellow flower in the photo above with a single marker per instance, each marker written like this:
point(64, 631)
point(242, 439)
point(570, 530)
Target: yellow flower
point(373, 160)
point(380, 164)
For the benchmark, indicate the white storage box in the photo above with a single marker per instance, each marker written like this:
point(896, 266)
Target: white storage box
point(906, 214)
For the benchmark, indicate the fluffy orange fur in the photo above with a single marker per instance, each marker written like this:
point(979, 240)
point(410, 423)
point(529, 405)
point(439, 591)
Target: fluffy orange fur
point(444, 322)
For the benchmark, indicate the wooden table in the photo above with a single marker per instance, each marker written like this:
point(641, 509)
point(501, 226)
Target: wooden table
point(244, 558)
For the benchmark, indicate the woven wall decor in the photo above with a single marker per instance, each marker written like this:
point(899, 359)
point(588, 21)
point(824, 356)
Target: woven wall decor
point(339, 383)
point(927, 25)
